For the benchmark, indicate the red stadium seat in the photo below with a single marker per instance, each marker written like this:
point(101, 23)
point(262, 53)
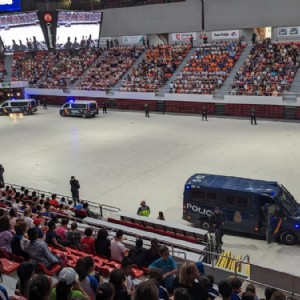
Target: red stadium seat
point(136, 272)
point(50, 272)
point(105, 270)
point(8, 266)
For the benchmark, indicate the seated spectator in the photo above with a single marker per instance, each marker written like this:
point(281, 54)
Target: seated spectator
point(62, 230)
point(25, 271)
point(269, 292)
point(88, 242)
point(278, 295)
point(181, 294)
point(248, 296)
point(53, 201)
point(39, 288)
point(28, 218)
point(212, 292)
point(137, 254)
point(39, 251)
point(53, 239)
point(118, 250)
point(48, 213)
point(102, 243)
point(167, 264)
point(74, 236)
point(127, 265)
point(19, 242)
point(105, 291)
point(251, 288)
point(5, 234)
point(225, 289)
point(157, 275)
point(67, 287)
point(187, 279)
point(89, 283)
point(146, 290)
point(38, 228)
point(237, 288)
point(152, 254)
point(117, 278)
point(3, 293)
point(12, 219)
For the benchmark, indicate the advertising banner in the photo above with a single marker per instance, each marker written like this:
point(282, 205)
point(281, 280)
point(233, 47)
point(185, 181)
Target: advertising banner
point(10, 5)
point(48, 22)
point(181, 37)
point(133, 39)
point(289, 31)
point(225, 34)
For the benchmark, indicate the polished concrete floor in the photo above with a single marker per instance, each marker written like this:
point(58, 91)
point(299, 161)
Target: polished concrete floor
point(122, 157)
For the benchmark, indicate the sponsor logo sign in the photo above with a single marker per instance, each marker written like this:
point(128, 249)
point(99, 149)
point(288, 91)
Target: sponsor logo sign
point(225, 34)
point(181, 37)
point(133, 39)
point(289, 31)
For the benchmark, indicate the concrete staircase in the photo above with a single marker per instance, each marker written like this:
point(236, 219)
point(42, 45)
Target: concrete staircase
point(226, 87)
point(295, 86)
point(8, 67)
point(165, 88)
point(138, 61)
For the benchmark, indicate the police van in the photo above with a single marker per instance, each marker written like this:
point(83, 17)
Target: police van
point(23, 106)
point(254, 207)
point(81, 108)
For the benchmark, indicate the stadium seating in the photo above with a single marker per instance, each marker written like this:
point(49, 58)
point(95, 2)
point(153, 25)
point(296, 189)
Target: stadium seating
point(1, 67)
point(111, 67)
point(208, 68)
point(156, 68)
point(269, 70)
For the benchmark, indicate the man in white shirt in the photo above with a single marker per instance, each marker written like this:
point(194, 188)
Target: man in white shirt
point(118, 250)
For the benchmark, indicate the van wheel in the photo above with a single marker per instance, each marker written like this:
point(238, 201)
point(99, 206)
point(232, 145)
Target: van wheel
point(84, 116)
point(288, 238)
point(25, 112)
point(205, 224)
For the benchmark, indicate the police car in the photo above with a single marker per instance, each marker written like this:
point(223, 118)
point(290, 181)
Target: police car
point(81, 108)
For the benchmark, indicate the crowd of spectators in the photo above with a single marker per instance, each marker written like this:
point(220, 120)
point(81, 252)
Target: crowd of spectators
point(157, 67)
point(208, 68)
point(2, 70)
point(32, 232)
point(56, 69)
point(269, 70)
point(110, 68)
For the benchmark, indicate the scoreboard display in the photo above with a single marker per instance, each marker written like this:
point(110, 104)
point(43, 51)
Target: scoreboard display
point(10, 5)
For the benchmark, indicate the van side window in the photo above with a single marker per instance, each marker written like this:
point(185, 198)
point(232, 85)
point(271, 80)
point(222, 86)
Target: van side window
point(197, 194)
point(230, 199)
point(4, 104)
point(242, 201)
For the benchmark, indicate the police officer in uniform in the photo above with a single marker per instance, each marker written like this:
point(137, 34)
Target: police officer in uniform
point(75, 186)
point(253, 116)
point(1, 176)
point(104, 107)
point(204, 113)
point(217, 219)
point(147, 111)
point(144, 209)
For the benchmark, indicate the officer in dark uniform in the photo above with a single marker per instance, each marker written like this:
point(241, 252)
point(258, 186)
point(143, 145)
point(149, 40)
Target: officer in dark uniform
point(217, 219)
point(104, 107)
point(1, 176)
point(253, 116)
point(147, 111)
point(44, 103)
point(75, 186)
point(204, 113)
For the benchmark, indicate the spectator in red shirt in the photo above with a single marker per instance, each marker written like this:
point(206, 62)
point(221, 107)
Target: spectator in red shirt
point(88, 242)
point(53, 201)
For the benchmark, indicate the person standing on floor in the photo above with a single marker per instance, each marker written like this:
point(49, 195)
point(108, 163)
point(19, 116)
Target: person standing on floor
point(44, 104)
point(1, 177)
point(204, 113)
point(147, 111)
point(253, 116)
point(75, 186)
point(104, 107)
point(144, 210)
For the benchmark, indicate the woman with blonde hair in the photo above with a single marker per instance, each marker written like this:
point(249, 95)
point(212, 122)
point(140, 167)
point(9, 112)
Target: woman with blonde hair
point(186, 279)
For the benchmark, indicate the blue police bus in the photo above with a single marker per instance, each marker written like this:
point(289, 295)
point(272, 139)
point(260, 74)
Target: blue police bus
point(249, 206)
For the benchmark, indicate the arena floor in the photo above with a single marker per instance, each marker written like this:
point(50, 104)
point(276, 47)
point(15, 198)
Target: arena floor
point(123, 157)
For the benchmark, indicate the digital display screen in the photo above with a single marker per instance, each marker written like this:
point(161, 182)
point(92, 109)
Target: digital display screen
point(78, 29)
point(21, 32)
point(10, 5)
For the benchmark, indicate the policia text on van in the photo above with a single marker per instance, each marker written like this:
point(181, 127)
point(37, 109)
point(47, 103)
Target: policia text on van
point(257, 207)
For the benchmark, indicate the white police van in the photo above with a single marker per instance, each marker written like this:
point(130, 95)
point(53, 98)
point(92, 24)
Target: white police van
point(23, 106)
point(79, 108)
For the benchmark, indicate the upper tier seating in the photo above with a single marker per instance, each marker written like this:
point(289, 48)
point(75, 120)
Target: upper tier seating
point(156, 68)
point(110, 68)
point(208, 68)
point(268, 71)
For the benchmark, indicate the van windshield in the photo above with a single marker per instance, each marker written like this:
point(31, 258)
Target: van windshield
point(287, 200)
